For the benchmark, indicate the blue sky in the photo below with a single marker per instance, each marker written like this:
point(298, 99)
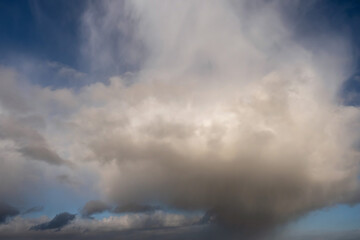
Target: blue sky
point(44, 30)
point(109, 92)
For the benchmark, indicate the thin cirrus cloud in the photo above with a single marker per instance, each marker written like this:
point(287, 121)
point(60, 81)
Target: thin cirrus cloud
point(226, 111)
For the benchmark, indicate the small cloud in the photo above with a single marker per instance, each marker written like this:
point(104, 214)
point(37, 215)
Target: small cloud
point(33, 209)
point(94, 207)
point(41, 152)
point(66, 71)
point(58, 222)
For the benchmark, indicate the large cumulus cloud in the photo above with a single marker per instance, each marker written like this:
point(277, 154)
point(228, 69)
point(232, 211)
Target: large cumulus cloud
point(230, 113)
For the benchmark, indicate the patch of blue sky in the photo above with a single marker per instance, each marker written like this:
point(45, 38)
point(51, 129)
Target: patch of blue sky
point(42, 29)
point(57, 195)
point(35, 34)
point(350, 92)
point(338, 218)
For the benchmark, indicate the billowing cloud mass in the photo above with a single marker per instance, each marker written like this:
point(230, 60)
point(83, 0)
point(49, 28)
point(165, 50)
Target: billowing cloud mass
point(222, 108)
point(229, 114)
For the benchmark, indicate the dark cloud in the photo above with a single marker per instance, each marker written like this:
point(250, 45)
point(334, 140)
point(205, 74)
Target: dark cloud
point(94, 207)
point(7, 211)
point(58, 222)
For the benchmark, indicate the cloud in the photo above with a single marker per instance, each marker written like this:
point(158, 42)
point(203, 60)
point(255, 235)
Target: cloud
point(34, 209)
point(135, 208)
point(124, 50)
point(94, 207)
point(229, 114)
point(58, 222)
point(7, 211)
point(139, 220)
point(29, 142)
point(10, 93)
point(126, 226)
point(66, 71)
point(20, 121)
point(67, 179)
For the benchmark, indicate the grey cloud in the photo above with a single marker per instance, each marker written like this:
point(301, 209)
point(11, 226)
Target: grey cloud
point(66, 71)
point(135, 208)
point(67, 179)
point(94, 207)
point(58, 222)
point(123, 51)
point(42, 153)
point(7, 211)
point(12, 96)
point(30, 143)
point(203, 232)
point(137, 221)
point(171, 233)
point(125, 226)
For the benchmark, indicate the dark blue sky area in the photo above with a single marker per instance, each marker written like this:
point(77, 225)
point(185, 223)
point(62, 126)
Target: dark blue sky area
point(45, 29)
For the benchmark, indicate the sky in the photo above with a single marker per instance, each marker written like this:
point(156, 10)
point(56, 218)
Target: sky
point(180, 119)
